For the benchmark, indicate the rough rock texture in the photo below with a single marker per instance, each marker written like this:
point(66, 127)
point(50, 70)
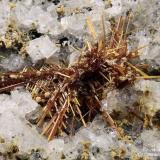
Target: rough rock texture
point(152, 100)
point(47, 21)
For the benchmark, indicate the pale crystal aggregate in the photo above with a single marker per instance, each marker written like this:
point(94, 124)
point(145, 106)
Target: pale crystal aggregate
point(28, 14)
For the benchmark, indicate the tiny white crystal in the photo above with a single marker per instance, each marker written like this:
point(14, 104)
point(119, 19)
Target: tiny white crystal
point(73, 58)
point(78, 3)
point(75, 22)
point(98, 4)
point(4, 15)
point(40, 48)
point(116, 8)
point(143, 42)
point(27, 2)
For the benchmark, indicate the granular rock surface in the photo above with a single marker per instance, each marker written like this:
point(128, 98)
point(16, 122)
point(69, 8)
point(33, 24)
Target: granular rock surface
point(34, 31)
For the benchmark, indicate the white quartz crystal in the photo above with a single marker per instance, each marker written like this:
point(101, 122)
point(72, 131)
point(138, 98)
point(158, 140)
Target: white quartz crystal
point(13, 62)
point(5, 12)
point(40, 48)
point(13, 124)
point(52, 9)
point(75, 22)
point(144, 42)
point(119, 100)
point(27, 2)
point(151, 141)
point(16, 129)
point(36, 16)
point(98, 4)
point(116, 8)
point(78, 3)
point(73, 58)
